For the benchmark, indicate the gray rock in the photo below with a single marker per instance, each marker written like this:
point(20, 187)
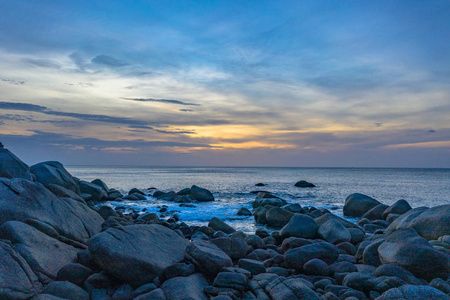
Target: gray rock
point(293, 208)
point(441, 285)
point(178, 270)
point(371, 255)
point(297, 257)
point(66, 290)
point(290, 288)
point(233, 280)
point(17, 280)
point(304, 184)
point(123, 292)
point(53, 172)
point(24, 200)
point(293, 242)
point(234, 248)
point(12, 167)
point(359, 281)
point(217, 224)
point(265, 199)
point(391, 270)
point(258, 284)
point(253, 266)
point(201, 194)
point(45, 255)
point(399, 207)
point(74, 272)
point(376, 213)
point(100, 294)
point(255, 241)
point(157, 294)
point(260, 215)
point(96, 192)
point(101, 184)
point(62, 192)
point(136, 191)
point(244, 212)
point(185, 288)
point(357, 235)
point(413, 292)
point(357, 205)
point(207, 257)
point(334, 232)
point(329, 216)
point(405, 248)
point(342, 267)
point(316, 267)
point(46, 297)
point(106, 212)
point(433, 223)
point(301, 226)
point(277, 217)
point(137, 253)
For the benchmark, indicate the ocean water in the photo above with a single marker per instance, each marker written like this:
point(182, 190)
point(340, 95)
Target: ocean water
point(232, 187)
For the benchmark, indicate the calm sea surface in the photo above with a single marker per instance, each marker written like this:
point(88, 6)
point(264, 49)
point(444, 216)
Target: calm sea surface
point(232, 186)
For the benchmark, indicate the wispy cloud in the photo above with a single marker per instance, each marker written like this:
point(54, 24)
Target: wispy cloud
point(108, 61)
point(178, 102)
point(15, 82)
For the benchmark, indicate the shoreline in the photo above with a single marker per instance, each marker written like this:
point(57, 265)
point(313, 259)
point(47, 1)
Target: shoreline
point(89, 251)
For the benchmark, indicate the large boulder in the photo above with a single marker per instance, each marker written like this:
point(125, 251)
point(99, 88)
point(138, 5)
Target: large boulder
point(278, 217)
point(406, 249)
point(234, 248)
point(12, 167)
point(413, 292)
point(66, 290)
point(217, 224)
point(301, 226)
point(357, 205)
point(92, 191)
point(207, 257)
point(201, 194)
point(137, 253)
point(185, 288)
point(376, 213)
point(17, 280)
point(54, 172)
point(430, 223)
point(23, 200)
point(329, 216)
point(334, 232)
point(304, 184)
point(297, 257)
point(399, 207)
point(44, 254)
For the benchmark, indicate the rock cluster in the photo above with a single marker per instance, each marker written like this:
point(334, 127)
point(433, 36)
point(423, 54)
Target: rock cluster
point(55, 246)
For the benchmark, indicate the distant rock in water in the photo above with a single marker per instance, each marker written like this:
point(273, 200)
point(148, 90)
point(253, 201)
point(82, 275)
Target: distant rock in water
point(201, 194)
point(244, 212)
point(304, 184)
point(260, 184)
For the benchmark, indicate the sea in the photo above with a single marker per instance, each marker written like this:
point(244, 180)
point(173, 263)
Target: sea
point(232, 187)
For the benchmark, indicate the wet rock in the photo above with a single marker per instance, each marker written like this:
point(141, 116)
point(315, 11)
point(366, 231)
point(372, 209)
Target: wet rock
point(357, 205)
point(244, 212)
point(260, 215)
point(96, 192)
point(255, 241)
point(201, 194)
point(301, 226)
point(106, 212)
point(293, 208)
point(405, 248)
point(407, 292)
point(137, 253)
point(399, 207)
point(45, 255)
point(334, 232)
point(17, 280)
point(182, 288)
point(66, 290)
point(101, 184)
point(277, 217)
point(304, 184)
point(217, 224)
point(260, 184)
point(376, 213)
point(297, 257)
point(207, 257)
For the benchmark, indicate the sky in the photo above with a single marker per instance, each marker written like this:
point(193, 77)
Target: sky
point(226, 83)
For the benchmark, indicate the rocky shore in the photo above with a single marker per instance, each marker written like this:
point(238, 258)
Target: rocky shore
point(60, 240)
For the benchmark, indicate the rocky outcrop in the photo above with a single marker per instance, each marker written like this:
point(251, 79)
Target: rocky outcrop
point(24, 200)
point(12, 167)
point(137, 253)
point(53, 172)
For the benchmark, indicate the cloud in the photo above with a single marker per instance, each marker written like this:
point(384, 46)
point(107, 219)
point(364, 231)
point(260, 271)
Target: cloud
point(379, 124)
point(162, 130)
point(43, 63)
point(435, 144)
point(186, 110)
point(15, 82)
point(22, 106)
point(108, 61)
point(161, 101)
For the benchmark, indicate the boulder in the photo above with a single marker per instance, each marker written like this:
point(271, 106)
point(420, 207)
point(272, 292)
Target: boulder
point(376, 213)
point(399, 207)
point(412, 292)
point(75, 273)
point(316, 267)
point(62, 192)
point(277, 217)
point(301, 226)
point(253, 266)
point(260, 184)
point(179, 270)
point(294, 208)
point(12, 167)
point(244, 212)
point(156, 294)
point(329, 216)
point(207, 257)
point(282, 288)
point(96, 192)
point(265, 199)
point(136, 191)
point(231, 280)
point(101, 184)
point(234, 248)
point(184, 288)
point(54, 172)
point(304, 184)
point(259, 283)
point(406, 249)
point(66, 290)
point(137, 253)
point(334, 232)
point(357, 205)
point(201, 194)
point(17, 280)
point(23, 200)
point(260, 215)
point(297, 257)
point(219, 225)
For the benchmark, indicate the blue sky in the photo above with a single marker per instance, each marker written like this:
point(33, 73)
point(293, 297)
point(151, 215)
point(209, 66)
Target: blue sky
point(259, 83)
